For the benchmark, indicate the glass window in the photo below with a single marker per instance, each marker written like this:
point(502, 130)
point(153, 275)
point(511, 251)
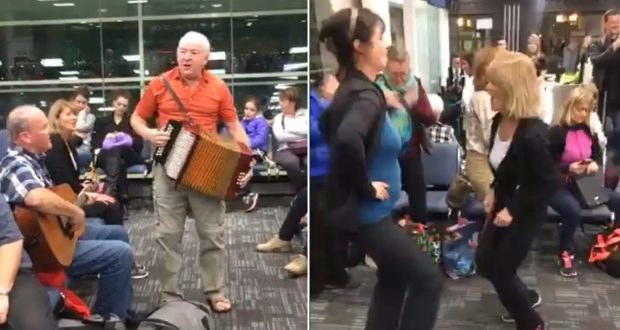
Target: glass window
point(50, 51)
point(270, 43)
point(184, 7)
point(162, 37)
point(121, 53)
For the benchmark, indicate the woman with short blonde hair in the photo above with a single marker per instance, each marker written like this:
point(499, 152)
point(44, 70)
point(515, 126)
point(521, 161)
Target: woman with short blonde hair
point(525, 179)
point(511, 75)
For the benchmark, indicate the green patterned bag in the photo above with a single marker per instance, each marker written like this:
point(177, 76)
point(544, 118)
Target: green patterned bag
point(428, 238)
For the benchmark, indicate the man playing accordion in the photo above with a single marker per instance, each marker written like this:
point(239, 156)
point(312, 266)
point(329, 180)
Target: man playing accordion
point(206, 101)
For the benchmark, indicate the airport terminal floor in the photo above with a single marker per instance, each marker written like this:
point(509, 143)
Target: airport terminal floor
point(589, 301)
point(263, 295)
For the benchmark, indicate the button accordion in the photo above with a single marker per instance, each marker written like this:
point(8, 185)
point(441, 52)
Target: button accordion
point(203, 162)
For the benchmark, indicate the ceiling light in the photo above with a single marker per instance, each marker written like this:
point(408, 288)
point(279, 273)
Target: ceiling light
point(217, 71)
point(216, 5)
point(217, 56)
point(131, 58)
point(96, 100)
point(52, 62)
point(64, 4)
point(46, 0)
point(105, 109)
point(132, 2)
point(298, 50)
point(70, 73)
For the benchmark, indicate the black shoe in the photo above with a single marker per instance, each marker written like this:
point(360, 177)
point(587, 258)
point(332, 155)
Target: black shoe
point(536, 300)
point(134, 319)
point(567, 268)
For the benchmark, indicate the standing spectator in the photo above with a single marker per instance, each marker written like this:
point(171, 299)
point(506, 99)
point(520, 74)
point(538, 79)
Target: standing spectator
point(605, 57)
point(411, 113)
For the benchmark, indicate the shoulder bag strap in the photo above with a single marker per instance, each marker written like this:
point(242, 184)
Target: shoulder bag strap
point(189, 119)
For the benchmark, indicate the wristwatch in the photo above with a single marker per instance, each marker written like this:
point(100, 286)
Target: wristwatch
point(4, 292)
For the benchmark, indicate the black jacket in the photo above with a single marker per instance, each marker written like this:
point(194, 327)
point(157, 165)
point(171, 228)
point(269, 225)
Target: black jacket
point(527, 176)
point(351, 126)
point(606, 68)
point(60, 166)
point(557, 144)
point(106, 125)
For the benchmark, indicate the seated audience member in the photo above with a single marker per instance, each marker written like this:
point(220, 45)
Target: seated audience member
point(102, 249)
point(290, 129)
point(440, 132)
point(119, 146)
point(84, 126)
point(577, 152)
point(61, 165)
point(257, 129)
point(24, 303)
point(291, 226)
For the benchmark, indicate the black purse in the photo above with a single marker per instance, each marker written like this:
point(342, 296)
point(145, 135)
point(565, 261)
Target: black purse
point(590, 191)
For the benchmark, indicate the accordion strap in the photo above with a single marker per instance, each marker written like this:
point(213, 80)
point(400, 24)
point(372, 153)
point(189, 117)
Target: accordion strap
point(188, 118)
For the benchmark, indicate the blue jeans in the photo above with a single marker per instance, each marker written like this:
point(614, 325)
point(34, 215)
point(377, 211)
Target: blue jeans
point(105, 250)
point(84, 156)
point(568, 207)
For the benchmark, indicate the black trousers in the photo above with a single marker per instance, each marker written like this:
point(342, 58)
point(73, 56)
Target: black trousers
point(29, 305)
point(114, 163)
point(408, 289)
point(112, 214)
point(290, 227)
point(295, 167)
point(499, 254)
point(415, 186)
point(329, 249)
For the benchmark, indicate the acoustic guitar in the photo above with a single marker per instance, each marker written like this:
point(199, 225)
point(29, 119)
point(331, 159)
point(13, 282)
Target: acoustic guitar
point(50, 240)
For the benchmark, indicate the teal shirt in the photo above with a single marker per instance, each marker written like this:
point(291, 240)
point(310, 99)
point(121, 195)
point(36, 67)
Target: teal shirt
point(400, 117)
point(383, 166)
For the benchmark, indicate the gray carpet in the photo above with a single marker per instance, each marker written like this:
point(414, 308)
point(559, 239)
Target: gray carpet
point(263, 295)
point(591, 301)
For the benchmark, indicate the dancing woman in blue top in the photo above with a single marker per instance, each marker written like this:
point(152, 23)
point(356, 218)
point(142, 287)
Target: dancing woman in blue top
point(363, 179)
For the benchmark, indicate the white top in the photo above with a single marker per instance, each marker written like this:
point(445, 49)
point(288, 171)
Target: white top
point(477, 121)
point(468, 91)
point(294, 128)
point(500, 148)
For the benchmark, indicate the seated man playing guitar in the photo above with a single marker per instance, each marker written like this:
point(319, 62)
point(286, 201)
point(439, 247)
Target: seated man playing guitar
point(103, 250)
point(24, 304)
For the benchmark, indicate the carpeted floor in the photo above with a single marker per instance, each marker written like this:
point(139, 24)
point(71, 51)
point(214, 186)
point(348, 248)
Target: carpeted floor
point(263, 295)
point(591, 301)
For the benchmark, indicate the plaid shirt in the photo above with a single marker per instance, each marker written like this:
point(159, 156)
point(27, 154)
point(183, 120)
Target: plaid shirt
point(20, 173)
point(442, 133)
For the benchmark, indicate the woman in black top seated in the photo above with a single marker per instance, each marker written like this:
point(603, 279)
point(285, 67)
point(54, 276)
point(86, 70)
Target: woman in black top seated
point(120, 147)
point(62, 163)
point(525, 179)
point(363, 180)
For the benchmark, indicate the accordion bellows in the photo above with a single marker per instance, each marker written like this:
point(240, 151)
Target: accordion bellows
point(206, 163)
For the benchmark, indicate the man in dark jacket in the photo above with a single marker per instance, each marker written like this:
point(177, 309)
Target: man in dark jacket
point(605, 57)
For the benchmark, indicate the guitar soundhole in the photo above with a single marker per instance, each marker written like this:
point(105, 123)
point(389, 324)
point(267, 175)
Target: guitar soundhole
point(66, 228)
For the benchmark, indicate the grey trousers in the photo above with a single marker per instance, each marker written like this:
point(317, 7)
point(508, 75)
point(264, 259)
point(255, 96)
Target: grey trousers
point(173, 205)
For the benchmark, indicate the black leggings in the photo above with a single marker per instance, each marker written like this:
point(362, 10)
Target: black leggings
point(29, 305)
point(499, 254)
point(114, 163)
point(415, 185)
point(329, 248)
point(290, 227)
point(408, 289)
